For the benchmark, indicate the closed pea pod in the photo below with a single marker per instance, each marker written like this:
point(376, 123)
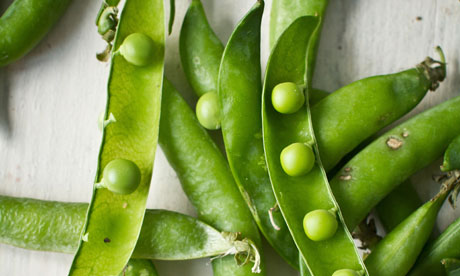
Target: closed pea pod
point(392, 158)
point(294, 194)
point(114, 221)
point(445, 246)
point(24, 24)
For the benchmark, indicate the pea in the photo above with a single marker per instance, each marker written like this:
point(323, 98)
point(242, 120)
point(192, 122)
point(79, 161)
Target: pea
point(320, 225)
point(208, 111)
point(287, 98)
point(345, 272)
point(121, 176)
point(297, 159)
point(138, 49)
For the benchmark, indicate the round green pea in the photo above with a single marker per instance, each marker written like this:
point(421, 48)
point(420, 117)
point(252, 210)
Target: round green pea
point(138, 49)
point(345, 272)
point(320, 225)
point(287, 98)
point(121, 176)
point(208, 111)
point(297, 159)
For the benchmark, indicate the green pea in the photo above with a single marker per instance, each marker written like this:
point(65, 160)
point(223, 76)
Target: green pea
point(208, 111)
point(138, 49)
point(287, 98)
point(121, 176)
point(297, 159)
point(345, 272)
point(320, 225)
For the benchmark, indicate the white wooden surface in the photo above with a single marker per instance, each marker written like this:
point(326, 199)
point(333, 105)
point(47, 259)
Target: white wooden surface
point(51, 99)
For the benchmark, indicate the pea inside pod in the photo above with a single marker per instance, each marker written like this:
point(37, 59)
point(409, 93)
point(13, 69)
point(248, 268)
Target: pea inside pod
point(297, 159)
point(121, 176)
point(138, 49)
point(320, 225)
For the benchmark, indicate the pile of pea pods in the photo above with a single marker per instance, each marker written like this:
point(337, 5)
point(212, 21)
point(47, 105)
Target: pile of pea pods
point(300, 167)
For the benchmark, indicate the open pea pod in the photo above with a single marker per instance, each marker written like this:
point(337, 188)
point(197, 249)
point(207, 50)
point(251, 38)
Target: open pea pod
point(299, 195)
point(113, 220)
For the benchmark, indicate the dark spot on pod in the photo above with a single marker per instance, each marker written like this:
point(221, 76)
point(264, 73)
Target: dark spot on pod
point(106, 240)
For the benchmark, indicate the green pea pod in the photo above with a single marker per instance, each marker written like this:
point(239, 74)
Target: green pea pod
point(200, 50)
point(296, 196)
point(452, 266)
point(114, 221)
point(205, 176)
point(398, 251)
point(384, 164)
point(56, 226)
point(398, 205)
point(452, 156)
point(284, 12)
point(445, 246)
point(139, 268)
point(24, 24)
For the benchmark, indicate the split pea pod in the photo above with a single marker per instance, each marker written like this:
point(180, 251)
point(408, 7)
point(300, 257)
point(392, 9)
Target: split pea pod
point(24, 24)
point(392, 158)
point(307, 197)
point(452, 156)
point(165, 235)
point(205, 177)
point(445, 246)
point(397, 252)
point(127, 153)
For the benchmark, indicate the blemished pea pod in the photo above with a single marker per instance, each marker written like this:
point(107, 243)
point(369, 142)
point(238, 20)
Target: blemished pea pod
point(138, 267)
point(398, 251)
point(25, 23)
point(299, 195)
point(200, 50)
point(445, 246)
point(242, 129)
point(452, 266)
point(452, 156)
point(205, 177)
point(398, 205)
point(114, 221)
point(284, 12)
point(392, 158)
point(56, 226)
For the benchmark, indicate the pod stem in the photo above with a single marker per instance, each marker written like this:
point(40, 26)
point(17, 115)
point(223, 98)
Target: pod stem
point(450, 182)
point(272, 219)
point(366, 232)
point(434, 70)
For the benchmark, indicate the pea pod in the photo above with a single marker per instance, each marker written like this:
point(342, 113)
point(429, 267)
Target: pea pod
point(114, 221)
point(452, 156)
point(205, 176)
point(398, 205)
point(139, 267)
point(295, 194)
point(392, 158)
point(24, 24)
point(200, 50)
point(445, 246)
point(398, 251)
point(165, 235)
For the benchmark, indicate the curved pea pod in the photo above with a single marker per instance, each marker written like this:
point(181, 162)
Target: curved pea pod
point(242, 129)
point(284, 12)
point(299, 195)
point(445, 246)
point(392, 158)
point(205, 176)
point(200, 50)
point(24, 24)
point(139, 267)
point(398, 205)
point(452, 156)
point(56, 226)
point(114, 221)
point(398, 251)
point(452, 266)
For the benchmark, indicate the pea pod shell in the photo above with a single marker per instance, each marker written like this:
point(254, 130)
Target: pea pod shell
point(114, 221)
point(205, 175)
point(200, 50)
point(445, 246)
point(296, 196)
point(56, 226)
point(452, 156)
point(392, 158)
point(24, 24)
